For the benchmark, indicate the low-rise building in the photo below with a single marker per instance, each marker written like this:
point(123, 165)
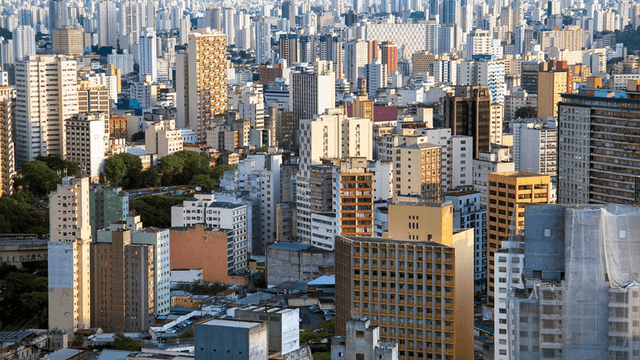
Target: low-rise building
point(296, 262)
point(231, 339)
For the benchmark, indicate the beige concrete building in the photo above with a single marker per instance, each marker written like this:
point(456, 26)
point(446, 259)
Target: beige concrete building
point(47, 96)
point(68, 40)
point(162, 138)
point(7, 144)
point(551, 86)
point(122, 274)
point(288, 261)
point(86, 142)
point(418, 291)
point(201, 76)
point(508, 192)
point(416, 171)
point(69, 265)
point(421, 61)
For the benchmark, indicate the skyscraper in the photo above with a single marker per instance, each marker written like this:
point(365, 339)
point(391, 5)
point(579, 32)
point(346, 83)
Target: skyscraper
point(599, 155)
point(416, 283)
point(47, 96)
point(107, 23)
point(24, 42)
point(201, 85)
point(7, 147)
point(147, 55)
point(263, 41)
point(58, 14)
point(311, 92)
point(356, 57)
point(69, 263)
point(468, 112)
point(508, 194)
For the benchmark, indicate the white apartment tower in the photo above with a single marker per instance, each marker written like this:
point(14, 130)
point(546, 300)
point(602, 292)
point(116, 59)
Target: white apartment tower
point(24, 42)
point(107, 23)
point(69, 263)
point(162, 138)
point(312, 92)
point(47, 96)
point(356, 57)
point(86, 142)
point(147, 55)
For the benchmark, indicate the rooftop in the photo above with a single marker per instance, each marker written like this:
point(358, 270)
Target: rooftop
point(289, 246)
point(392, 241)
point(235, 323)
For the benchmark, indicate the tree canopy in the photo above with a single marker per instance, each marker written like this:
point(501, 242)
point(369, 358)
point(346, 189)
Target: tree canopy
point(155, 210)
point(124, 169)
point(17, 216)
point(24, 296)
point(526, 112)
point(37, 178)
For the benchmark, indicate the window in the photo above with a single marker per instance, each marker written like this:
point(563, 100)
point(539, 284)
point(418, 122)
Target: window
point(547, 233)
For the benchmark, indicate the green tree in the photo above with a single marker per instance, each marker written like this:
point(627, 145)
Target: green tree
point(204, 181)
point(78, 341)
point(114, 169)
point(137, 136)
point(526, 112)
point(126, 343)
point(133, 170)
point(187, 334)
point(155, 210)
point(19, 217)
point(38, 177)
point(56, 163)
point(322, 356)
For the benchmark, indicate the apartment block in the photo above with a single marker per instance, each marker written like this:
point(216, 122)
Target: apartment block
point(415, 284)
point(509, 192)
point(312, 91)
point(535, 147)
point(67, 40)
point(416, 171)
point(46, 97)
point(578, 299)
point(122, 274)
point(599, 159)
point(86, 135)
point(69, 256)
point(467, 111)
point(203, 71)
point(162, 138)
point(551, 86)
point(327, 137)
point(213, 250)
point(204, 209)
point(7, 144)
point(353, 197)
point(496, 161)
point(468, 213)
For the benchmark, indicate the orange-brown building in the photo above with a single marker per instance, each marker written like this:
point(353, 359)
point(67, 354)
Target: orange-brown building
point(206, 248)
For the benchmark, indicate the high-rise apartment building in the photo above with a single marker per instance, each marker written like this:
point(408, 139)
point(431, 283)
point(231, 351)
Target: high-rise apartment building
point(201, 85)
point(312, 92)
point(7, 146)
point(535, 147)
point(416, 284)
point(327, 137)
point(416, 171)
point(478, 43)
point(468, 213)
point(356, 57)
point(573, 294)
point(162, 138)
point(551, 86)
point(389, 56)
point(263, 41)
point(288, 46)
point(508, 194)
point(67, 40)
point(122, 274)
point(468, 112)
point(147, 54)
point(69, 259)
point(47, 96)
point(599, 157)
point(86, 142)
point(24, 42)
point(106, 17)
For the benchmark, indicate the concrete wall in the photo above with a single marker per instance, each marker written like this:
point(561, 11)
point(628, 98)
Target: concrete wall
point(226, 342)
point(544, 241)
point(198, 248)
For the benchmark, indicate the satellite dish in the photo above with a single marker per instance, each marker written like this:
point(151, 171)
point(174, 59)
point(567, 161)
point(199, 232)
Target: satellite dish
point(198, 188)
